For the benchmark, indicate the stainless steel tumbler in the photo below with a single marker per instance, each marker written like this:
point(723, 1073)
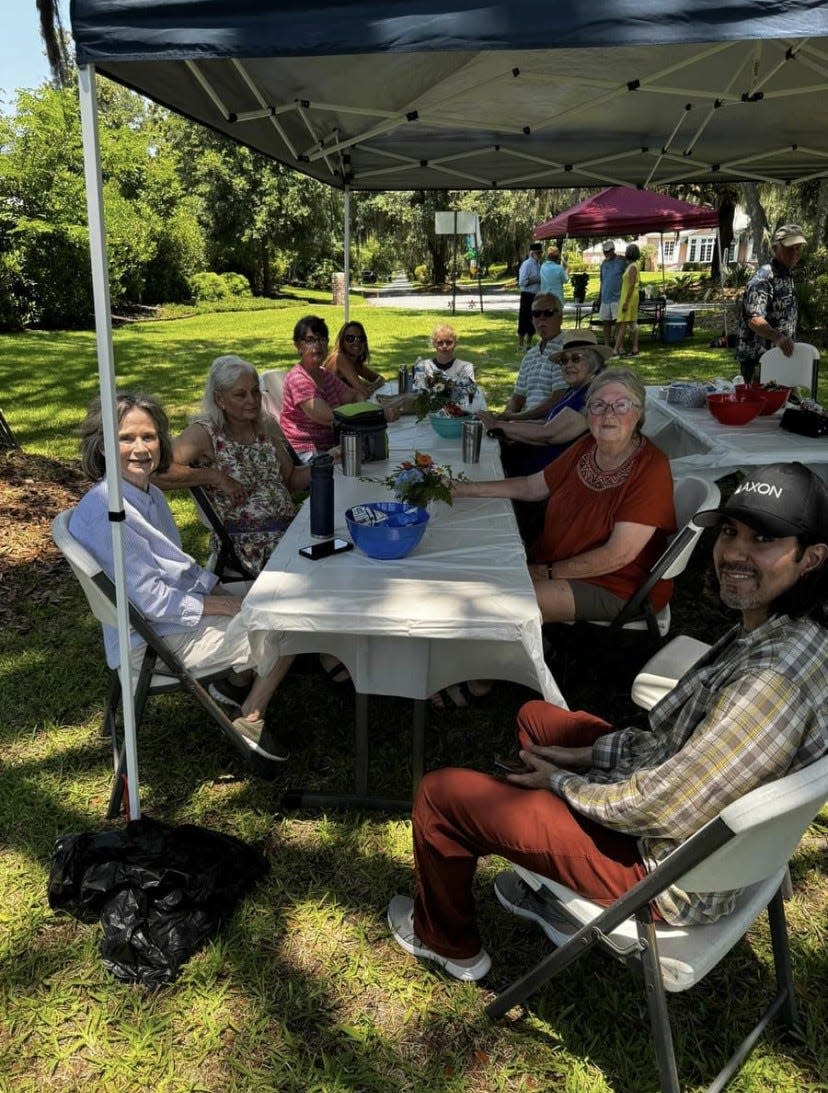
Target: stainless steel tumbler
point(351, 444)
point(472, 437)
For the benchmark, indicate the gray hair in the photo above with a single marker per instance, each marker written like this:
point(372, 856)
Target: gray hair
point(548, 296)
point(595, 359)
point(92, 441)
point(224, 371)
point(627, 378)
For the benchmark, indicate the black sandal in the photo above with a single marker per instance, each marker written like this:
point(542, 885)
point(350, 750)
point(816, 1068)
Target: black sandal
point(447, 698)
point(337, 673)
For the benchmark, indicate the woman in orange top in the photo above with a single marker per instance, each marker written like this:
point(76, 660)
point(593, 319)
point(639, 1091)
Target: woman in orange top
point(609, 509)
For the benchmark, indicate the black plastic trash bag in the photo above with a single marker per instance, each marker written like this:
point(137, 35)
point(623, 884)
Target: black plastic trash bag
point(160, 891)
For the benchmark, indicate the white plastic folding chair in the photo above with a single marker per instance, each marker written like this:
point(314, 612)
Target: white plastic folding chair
point(801, 369)
point(745, 849)
point(271, 384)
point(690, 495)
point(665, 668)
point(100, 594)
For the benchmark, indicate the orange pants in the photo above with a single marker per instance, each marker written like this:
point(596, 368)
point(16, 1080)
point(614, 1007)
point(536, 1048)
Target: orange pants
point(461, 815)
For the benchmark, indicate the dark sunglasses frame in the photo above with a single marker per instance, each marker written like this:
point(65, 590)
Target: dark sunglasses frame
point(546, 312)
point(350, 338)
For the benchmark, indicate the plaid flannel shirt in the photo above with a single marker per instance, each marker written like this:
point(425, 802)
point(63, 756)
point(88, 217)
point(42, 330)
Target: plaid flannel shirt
point(753, 709)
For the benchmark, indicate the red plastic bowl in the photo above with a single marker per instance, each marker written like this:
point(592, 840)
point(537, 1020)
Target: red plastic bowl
point(734, 409)
point(773, 397)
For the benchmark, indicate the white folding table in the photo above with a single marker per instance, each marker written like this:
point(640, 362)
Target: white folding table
point(696, 443)
point(460, 606)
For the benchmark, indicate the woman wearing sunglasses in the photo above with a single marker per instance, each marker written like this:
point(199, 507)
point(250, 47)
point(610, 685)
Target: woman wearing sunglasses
point(349, 358)
point(311, 394)
point(529, 445)
point(609, 508)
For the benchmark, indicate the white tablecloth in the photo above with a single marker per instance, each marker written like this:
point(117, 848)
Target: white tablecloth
point(460, 606)
point(696, 443)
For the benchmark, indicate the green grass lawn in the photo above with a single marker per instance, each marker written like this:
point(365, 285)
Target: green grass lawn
point(304, 991)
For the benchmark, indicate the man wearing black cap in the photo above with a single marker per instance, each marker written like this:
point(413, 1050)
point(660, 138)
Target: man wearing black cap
point(598, 808)
point(769, 312)
point(529, 285)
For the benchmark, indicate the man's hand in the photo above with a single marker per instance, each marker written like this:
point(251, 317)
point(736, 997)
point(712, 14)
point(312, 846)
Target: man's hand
point(546, 761)
point(538, 571)
point(538, 776)
point(786, 344)
point(489, 419)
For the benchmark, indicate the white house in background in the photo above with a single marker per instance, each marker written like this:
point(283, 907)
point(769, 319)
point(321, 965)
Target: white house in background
point(673, 249)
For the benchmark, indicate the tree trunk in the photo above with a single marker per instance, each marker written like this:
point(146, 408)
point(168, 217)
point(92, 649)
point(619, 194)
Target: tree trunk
point(727, 209)
point(821, 214)
point(758, 219)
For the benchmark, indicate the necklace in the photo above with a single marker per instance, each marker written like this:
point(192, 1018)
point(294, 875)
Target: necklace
point(619, 460)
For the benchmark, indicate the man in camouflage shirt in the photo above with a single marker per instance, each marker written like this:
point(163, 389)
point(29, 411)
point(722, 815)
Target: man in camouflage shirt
point(769, 310)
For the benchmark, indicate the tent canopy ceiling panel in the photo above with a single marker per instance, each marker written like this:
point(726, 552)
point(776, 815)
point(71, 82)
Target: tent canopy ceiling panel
point(393, 96)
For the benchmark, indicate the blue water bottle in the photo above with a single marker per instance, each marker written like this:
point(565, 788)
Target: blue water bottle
point(322, 497)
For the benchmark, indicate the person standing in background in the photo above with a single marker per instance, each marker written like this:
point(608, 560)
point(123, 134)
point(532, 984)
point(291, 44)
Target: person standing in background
point(769, 312)
point(529, 285)
point(609, 288)
point(628, 304)
point(553, 273)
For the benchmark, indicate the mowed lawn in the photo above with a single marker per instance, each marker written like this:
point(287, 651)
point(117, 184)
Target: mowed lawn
point(303, 990)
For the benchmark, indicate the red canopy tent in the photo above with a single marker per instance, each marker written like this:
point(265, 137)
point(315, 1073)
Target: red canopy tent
point(623, 210)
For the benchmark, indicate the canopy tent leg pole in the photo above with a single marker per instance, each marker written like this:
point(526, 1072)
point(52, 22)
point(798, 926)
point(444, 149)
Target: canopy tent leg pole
point(346, 234)
point(454, 269)
point(663, 274)
point(106, 380)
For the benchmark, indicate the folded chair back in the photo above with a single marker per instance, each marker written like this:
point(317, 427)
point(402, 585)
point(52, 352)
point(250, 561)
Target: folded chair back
point(801, 369)
point(690, 495)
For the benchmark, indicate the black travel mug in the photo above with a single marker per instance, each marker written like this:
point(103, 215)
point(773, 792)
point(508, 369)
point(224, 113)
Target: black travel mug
point(322, 497)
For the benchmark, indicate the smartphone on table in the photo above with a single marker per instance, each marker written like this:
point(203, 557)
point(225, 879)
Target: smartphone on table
point(325, 549)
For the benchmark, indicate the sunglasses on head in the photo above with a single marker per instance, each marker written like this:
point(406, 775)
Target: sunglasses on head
point(351, 338)
point(547, 312)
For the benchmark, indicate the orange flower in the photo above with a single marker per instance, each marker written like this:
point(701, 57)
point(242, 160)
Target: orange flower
point(423, 459)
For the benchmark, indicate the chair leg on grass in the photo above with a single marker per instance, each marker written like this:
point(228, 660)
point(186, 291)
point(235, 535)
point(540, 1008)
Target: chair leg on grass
point(657, 1004)
point(782, 955)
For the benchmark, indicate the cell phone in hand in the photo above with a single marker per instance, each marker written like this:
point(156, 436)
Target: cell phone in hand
point(511, 766)
point(325, 549)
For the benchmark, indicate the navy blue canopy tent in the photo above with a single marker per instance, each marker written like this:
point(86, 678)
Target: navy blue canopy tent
point(471, 95)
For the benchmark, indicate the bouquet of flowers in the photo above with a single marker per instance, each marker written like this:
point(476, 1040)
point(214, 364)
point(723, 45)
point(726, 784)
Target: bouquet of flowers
point(420, 480)
point(439, 393)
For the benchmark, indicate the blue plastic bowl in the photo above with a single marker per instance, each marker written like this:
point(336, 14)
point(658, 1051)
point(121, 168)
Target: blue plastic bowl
point(396, 536)
point(448, 427)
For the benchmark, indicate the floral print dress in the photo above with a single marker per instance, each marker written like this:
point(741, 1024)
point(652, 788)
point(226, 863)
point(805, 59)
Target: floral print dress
point(260, 521)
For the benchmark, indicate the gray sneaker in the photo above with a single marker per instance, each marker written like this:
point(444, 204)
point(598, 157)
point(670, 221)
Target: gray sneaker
point(401, 921)
point(517, 897)
point(250, 733)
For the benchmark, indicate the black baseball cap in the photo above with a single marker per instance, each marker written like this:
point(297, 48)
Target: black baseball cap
point(778, 500)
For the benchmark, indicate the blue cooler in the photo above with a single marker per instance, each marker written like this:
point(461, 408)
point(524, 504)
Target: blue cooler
point(673, 328)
